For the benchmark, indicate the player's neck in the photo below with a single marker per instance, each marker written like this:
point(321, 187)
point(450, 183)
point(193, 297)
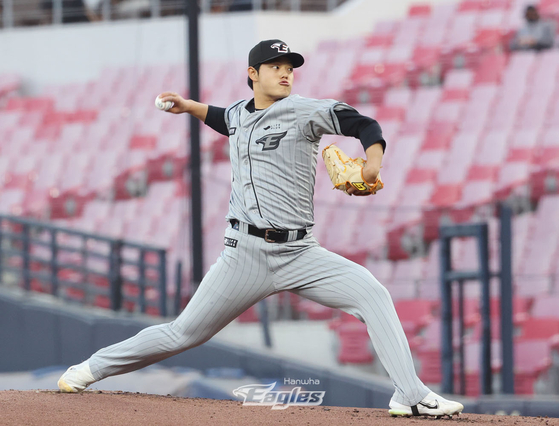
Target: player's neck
point(262, 101)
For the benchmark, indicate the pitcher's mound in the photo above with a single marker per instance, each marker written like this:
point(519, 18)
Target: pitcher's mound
point(97, 408)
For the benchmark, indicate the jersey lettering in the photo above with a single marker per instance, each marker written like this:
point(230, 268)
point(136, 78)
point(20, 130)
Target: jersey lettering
point(270, 142)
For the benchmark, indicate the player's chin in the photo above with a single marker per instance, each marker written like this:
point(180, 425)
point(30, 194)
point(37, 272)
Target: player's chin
point(284, 91)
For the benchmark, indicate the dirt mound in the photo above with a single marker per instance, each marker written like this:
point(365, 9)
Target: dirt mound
point(118, 408)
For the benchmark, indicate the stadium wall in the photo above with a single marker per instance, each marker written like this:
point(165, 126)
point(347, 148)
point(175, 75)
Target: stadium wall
point(51, 55)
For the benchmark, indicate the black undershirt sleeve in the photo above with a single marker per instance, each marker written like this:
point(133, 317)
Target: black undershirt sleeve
point(216, 120)
point(365, 129)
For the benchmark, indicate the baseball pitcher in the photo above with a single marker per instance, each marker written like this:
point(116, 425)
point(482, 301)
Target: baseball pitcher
point(269, 245)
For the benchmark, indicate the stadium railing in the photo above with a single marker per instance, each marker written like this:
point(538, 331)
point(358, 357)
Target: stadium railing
point(82, 267)
point(45, 12)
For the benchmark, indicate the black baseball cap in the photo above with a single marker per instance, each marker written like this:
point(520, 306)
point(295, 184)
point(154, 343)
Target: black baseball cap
point(271, 49)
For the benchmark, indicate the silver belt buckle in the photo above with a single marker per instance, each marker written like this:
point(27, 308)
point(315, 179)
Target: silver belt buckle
point(266, 238)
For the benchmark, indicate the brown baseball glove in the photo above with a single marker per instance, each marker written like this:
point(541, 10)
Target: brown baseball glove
point(346, 172)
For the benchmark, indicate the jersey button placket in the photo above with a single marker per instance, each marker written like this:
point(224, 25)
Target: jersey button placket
point(244, 173)
point(251, 196)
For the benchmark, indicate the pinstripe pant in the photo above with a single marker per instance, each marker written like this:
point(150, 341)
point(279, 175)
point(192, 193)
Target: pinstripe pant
point(255, 269)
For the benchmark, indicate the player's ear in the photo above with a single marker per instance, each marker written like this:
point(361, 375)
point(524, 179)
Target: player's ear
point(253, 73)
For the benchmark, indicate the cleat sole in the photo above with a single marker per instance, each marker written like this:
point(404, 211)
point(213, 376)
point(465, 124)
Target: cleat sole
point(397, 413)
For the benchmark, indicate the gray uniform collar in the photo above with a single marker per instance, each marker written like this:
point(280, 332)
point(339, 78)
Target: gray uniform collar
point(250, 105)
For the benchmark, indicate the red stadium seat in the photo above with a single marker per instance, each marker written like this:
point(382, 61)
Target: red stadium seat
point(343, 238)
point(531, 359)
point(415, 314)
point(545, 306)
point(379, 40)
point(391, 74)
point(446, 195)
point(490, 38)
point(424, 58)
point(490, 69)
point(448, 111)
point(459, 80)
point(427, 349)
point(145, 142)
point(385, 113)
point(315, 311)
point(250, 315)
point(439, 136)
point(479, 172)
point(521, 308)
point(475, 195)
point(420, 175)
point(418, 9)
point(354, 344)
point(472, 352)
point(381, 270)
point(30, 104)
point(414, 197)
point(425, 70)
point(537, 260)
point(545, 174)
point(470, 5)
point(397, 97)
point(443, 198)
point(343, 318)
point(521, 313)
point(539, 328)
point(405, 278)
point(132, 181)
point(456, 95)
point(9, 83)
point(513, 179)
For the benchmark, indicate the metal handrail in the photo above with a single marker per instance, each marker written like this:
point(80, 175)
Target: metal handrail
point(18, 237)
point(34, 12)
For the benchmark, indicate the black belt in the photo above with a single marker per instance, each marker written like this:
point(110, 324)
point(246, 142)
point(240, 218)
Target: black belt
point(271, 235)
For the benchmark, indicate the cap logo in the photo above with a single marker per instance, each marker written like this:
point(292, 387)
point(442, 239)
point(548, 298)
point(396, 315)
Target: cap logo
point(282, 47)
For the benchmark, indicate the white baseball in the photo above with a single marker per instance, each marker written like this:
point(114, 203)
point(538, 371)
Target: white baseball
point(165, 106)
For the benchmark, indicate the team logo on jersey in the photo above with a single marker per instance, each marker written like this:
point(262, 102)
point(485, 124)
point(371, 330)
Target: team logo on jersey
point(282, 47)
point(271, 141)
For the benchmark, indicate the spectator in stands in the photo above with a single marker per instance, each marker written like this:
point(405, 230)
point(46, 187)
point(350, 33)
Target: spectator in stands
point(536, 34)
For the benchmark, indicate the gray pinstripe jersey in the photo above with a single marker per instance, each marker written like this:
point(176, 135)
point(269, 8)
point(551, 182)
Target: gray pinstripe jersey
point(273, 159)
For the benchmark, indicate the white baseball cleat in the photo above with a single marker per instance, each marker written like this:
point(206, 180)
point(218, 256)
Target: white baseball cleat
point(76, 378)
point(432, 405)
